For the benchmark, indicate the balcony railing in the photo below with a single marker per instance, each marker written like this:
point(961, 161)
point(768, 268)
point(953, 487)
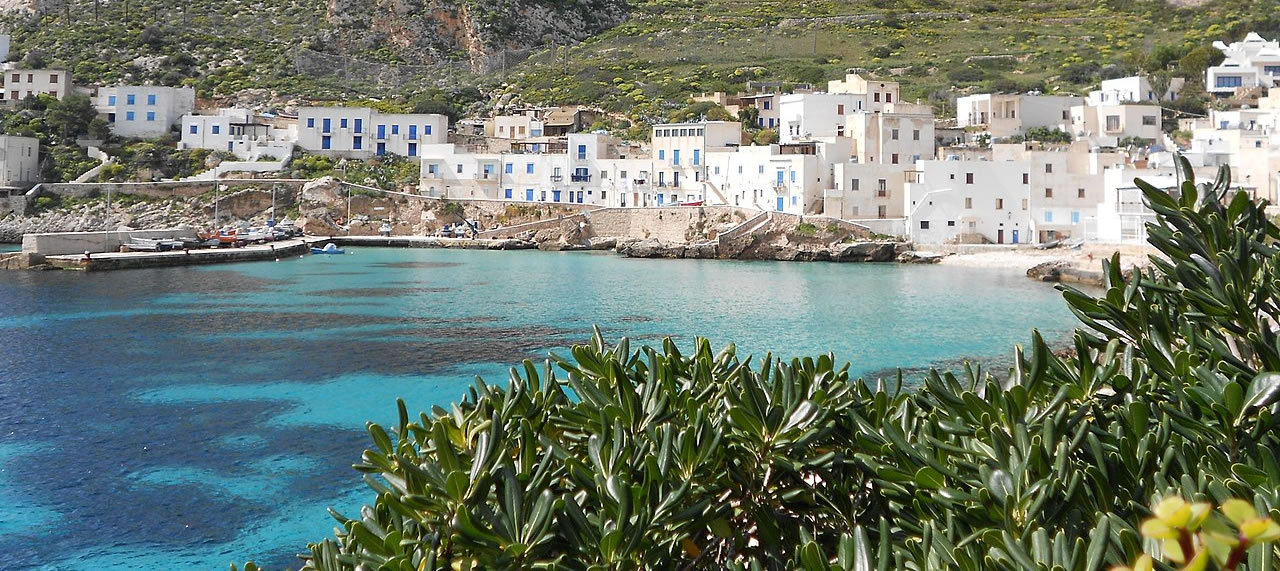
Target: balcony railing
point(580, 178)
point(556, 178)
point(639, 181)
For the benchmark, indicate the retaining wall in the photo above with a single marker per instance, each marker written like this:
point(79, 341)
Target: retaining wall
point(63, 243)
point(666, 224)
point(163, 189)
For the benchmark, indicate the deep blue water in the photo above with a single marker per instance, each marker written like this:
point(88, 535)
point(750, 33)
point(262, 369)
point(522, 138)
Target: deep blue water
point(186, 418)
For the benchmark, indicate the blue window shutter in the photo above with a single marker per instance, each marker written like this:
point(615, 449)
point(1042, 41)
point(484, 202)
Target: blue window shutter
point(194, 129)
point(426, 129)
point(311, 122)
point(359, 125)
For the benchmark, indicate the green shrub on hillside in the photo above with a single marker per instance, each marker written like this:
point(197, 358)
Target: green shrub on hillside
point(617, 458)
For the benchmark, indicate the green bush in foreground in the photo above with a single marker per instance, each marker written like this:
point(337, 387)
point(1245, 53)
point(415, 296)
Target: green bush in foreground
point(619, 458)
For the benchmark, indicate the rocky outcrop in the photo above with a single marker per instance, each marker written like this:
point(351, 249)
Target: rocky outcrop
point(867, 252)
point(324, 190)
point(784, 252)
point(912, 257)
point(1064, 271)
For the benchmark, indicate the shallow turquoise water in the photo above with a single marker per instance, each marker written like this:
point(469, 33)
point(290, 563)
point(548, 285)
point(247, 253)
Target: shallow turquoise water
point(190, 417)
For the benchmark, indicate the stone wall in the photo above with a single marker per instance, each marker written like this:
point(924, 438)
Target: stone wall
point(674, 224)
point(62, 243)
point(166, 189)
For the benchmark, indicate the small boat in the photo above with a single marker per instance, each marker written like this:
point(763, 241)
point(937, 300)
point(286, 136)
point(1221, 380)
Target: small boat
point(154, 244)
point(328, 249)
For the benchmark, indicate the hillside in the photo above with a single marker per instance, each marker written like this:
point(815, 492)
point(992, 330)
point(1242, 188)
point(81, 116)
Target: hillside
point(640, 60)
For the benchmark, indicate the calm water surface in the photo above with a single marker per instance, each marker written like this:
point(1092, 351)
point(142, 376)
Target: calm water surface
point(185, 418)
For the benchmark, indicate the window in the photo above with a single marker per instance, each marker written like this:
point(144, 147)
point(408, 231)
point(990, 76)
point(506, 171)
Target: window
point(31, 78)
point(767, 104)
point(662, 154)
point(894, 158)
point(876, 97)
point(1024, 204)
point(1026, 178)
point(327, 125)
point(488, 171)
point(1048, 216)
point(1113, 122)
point(895, 134)
point(433, 169)
point(1075, 217)
point(528, 168)
point(1079, 193)
point(840, 109)
point(342, 123)
point(924, 224)
point(968, 203)
point(413, 132)
point(359, 126)
point(717, 171)
point(1271, 69)
point(151, 115)
point(128, 116)
point(395, 129)
point(1048, 167)
point(151, 99)
point(53, 78)
point(853, 184)
point(761, 169)
point(326, 142)
point(582, 152)
point(506, 194)
point(675, 156)
point(194, 129)
point(793, 176)
point(459, 168)
point(1048, 193)
point(381, 149)
point(968, 178)
point(888, 98)
point(357, 143)
point(311, 122)
point(882, 188)
point(1228, 81)
point(697, 156)
point(882, 211)
point(915, 134)
point(382, 131)
point(508, 168)
point(130, 99)
point(17, 78)
point(999, 204)
point(1149, 120)
point(111, 100)
point(216, 128)
point(426, 129)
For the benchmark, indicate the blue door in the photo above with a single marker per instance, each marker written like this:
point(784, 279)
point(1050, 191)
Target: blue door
point(382, 149)
point(555, 196)
point(780, 203)
point(528, 194)
point(1015, 236)
point(659, 200)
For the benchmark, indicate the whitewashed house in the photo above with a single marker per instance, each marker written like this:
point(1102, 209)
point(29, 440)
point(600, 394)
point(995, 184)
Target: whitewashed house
point(1109, 123)
point(143, 111)
point(361, 133)
point(239, 132)
point(517, 126)
point(867, 191)
point(1252, 62)
point(19, 160)
point(1001, 115)
point(1134, 89)
point(22, 83)
point(783, 177)
point(679, 157)
point(807, 116)
point(873, 94)
point(979, 202)
point(1066, 183)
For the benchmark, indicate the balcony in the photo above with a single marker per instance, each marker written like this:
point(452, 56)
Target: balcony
point(639, 181)
point(580, 178)
point(556, 178)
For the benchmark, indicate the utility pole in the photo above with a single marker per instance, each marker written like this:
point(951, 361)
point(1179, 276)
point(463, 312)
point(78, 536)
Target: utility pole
point(815, 39)
point(95, 11)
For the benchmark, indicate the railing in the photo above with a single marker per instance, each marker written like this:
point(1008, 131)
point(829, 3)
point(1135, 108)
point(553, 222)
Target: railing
point(639, 181)
point(580, 178)
point(556, 178)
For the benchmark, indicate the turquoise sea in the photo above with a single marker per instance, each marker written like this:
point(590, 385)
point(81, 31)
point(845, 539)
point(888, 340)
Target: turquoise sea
point(186, 418)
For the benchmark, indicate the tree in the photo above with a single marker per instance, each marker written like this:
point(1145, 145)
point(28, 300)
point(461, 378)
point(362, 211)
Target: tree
point(1193, 65)
point(750, 117)
point(1160, 82)
point(765, 137)
point(69, 118)
point(700, 110)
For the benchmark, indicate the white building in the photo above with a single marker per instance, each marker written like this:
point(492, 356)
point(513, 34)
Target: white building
point(237, 131)
point(679, 157)
point(899, 134)
point(1008, 115)
point(765, 104)
point(1134, 89)
point(873, 94)
point(22, 83)
point(1066, 185)
point(19, 160)
point(144, 111)
point(516, 126)
point(969, 202)
point(361, 133)
point(806, 116)
point(866, 191)
point(1108, 123)
point(4, 47)
point(786, 177)
point(1253, 62)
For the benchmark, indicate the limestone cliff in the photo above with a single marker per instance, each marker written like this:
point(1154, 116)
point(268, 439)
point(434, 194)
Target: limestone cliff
point(428, 31)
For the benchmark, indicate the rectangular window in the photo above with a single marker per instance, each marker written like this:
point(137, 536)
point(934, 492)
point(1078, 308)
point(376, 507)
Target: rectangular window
point(1149, 120)
point(876, 97)
point(582, 152)
point(326, 142)
point(395, 129)
point(915, 134)
point(675, 156)
point(882, 188)
point(217, 129)
point(840, 109)
point(793, 176)
point(433, 169)
point(1024, 204)
point(111, 100)
point(151, 115)
point(1271, 69)
point(968, 178)
point(1113, 122)
point(506, 194)
point(53, 78)
point(509, 168)
point(528, 168)
point(853, 184)
point(382, 131)
point(999, 204)
point(895, 158)
point(194, 129)
point(895, 134)
point(662, 154)
point(1075, 217)
point(1228, 81)
point(1048, 216)
point(767, 104)
point(968, 203)
point(413, 132)
point(717, 170)
point(888, 98)
point(426, 129)
point(128, 116)
point(459, 168)
point(311, 122)
point(359, 126)
point(357, 143)
point(1048, 167)
point(697, 156)
point(1026, 178)
point(327, 125)
point(17, 78)
point(924, 224)
point(1079, 193)
point(342, 123)
point(151, 99)
point(130, 99)
point(1048, 193)
point(381, 149)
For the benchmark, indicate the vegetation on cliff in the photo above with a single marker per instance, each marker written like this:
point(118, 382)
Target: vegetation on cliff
point(622, 458)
